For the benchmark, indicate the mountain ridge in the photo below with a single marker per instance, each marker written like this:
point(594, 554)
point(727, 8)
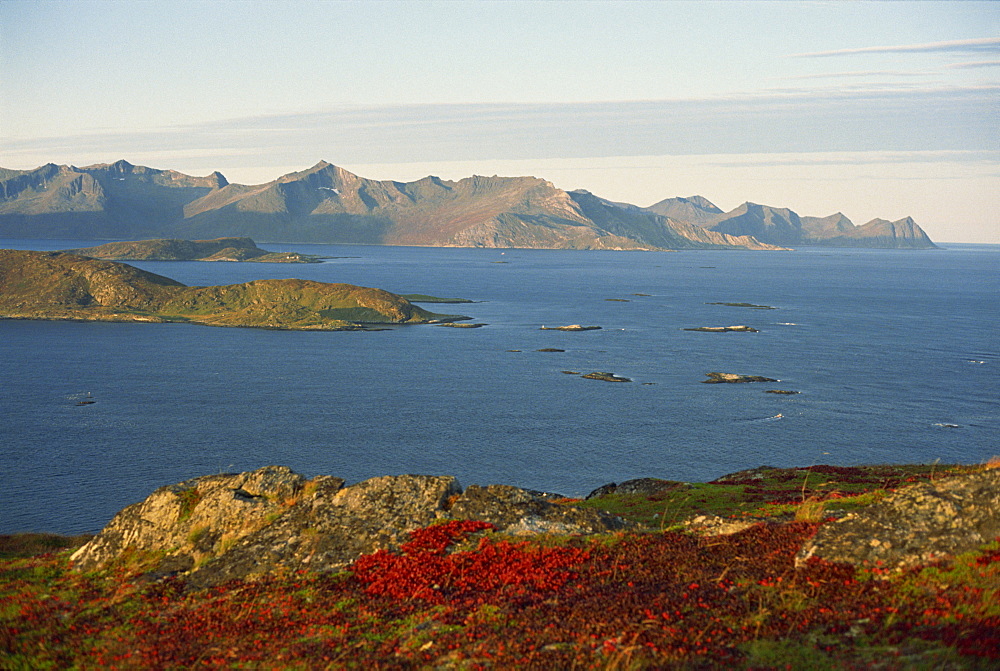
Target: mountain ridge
point(327, 204)
point(782, 226)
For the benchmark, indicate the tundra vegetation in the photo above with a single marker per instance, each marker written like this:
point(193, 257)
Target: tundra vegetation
point(459, 595)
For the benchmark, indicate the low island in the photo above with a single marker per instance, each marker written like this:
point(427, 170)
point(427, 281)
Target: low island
point(606, 377)
point(57, 285)
point(734, 378)
point(571, 327)
point(725, 329)
point(219, 249)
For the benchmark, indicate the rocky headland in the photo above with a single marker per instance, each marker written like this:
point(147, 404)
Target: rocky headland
point(57, 285)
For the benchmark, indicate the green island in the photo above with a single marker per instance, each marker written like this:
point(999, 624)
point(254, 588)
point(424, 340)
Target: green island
point(58, 285)
point(219, 249)
point(706, 575)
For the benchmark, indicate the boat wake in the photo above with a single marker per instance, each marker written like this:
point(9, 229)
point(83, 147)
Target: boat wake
point(83, 398)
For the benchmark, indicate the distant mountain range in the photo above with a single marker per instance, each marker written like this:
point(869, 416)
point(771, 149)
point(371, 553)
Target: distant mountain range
point(327, 204)
point(781, 226)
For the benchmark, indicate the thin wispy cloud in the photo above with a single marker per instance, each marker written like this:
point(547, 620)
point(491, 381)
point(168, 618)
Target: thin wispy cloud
point(973, 64)
point(985, 44)
point(847, 117)
point(861, 73)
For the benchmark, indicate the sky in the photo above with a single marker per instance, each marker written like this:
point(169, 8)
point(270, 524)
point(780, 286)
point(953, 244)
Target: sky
point(872, 109)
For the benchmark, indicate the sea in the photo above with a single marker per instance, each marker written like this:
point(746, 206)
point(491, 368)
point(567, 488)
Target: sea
point(895, 355)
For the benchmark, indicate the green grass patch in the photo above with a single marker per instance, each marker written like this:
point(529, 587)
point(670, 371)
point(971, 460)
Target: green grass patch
point(775, 493)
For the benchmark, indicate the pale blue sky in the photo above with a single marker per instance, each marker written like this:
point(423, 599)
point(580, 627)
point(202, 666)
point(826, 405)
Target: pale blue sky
point(876, 109)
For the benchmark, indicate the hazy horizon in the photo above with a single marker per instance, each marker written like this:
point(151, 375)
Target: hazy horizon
point(881, 109)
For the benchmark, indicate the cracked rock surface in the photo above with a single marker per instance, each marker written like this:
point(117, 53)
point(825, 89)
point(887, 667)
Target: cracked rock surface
point(223, 527)
point(915, 525)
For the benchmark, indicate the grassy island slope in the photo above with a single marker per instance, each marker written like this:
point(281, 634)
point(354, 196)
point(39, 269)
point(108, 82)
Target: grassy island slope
point(220, 249)
point(56, 285)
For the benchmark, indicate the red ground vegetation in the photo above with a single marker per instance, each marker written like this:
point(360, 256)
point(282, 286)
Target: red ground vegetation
point(458, 596)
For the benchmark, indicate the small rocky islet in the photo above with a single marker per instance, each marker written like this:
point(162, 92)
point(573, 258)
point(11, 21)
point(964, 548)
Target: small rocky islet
point(735, 378)
point(724, 329)
point(606, 377)
point(570, 328)
point(752, 306)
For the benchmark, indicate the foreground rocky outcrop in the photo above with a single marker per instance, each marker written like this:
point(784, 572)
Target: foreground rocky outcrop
point(220, 527)
point(915, 525)
point(56, 285)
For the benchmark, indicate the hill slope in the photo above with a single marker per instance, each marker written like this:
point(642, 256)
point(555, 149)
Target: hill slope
point(56, 285)
point(220, 249)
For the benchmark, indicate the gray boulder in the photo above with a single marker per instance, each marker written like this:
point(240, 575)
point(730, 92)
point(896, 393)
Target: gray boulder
point(916, 525)
point(644, 486)
point(240, 526)
point(519, 512)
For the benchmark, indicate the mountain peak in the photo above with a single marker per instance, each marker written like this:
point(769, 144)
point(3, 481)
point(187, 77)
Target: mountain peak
point(321, 168)
point(702, 203)
point(219, 179)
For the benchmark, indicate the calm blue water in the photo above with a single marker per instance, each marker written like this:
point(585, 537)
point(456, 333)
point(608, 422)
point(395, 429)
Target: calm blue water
point(883, 345)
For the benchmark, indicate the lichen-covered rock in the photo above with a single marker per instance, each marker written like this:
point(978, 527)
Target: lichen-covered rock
point(517, 511)
point(196, 518)
point(330, 527)
point(748, 475)
point(646, 486)
point(713, 525)
point(915, 525)
point(224, 527)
